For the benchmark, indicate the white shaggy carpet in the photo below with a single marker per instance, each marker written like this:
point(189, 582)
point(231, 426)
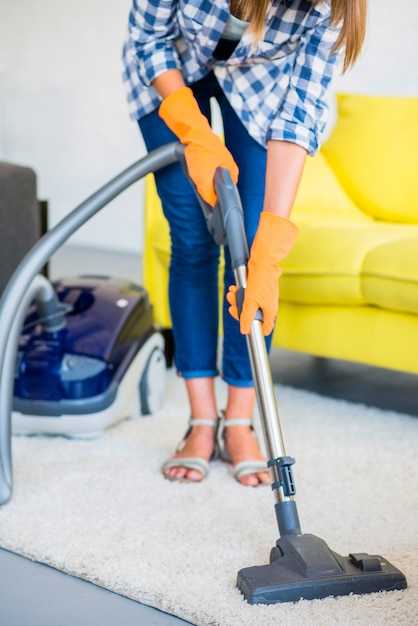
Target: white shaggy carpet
point(102, 511)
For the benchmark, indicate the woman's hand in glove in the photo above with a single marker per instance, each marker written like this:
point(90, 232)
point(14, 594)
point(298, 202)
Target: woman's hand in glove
point(204, 150)
point(273, 241)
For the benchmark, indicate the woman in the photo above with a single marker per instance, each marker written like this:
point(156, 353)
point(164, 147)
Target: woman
point(268, 63)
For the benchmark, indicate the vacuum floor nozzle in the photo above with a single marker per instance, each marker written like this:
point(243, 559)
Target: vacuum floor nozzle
point(304, 567)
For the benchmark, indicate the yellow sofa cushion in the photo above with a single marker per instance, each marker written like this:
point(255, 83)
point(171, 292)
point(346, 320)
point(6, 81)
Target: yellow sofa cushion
point(366, 334)
point(325, 266)
point(373, 151)
point(390, 277)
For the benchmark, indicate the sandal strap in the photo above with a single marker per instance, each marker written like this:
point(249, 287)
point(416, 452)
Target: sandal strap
point(246, 466)
point(249, 467)
point(190, 463)
point(203, 421)
point(238, 421)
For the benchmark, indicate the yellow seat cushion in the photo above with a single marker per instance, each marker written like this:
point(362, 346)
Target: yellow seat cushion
point(389, 278)
point(366, 334)
point(327, 261)
point(373, 151)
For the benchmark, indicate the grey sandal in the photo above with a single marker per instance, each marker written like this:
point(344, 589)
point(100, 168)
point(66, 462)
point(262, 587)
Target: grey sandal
point(252, 466)
point(193, 462)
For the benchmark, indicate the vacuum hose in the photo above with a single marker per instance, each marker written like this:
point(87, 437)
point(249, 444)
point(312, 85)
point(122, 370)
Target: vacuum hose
point(26, 285)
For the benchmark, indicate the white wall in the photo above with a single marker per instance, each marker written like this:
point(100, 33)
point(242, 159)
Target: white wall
point(62, 107)
point(64, 110)
point(388, 63)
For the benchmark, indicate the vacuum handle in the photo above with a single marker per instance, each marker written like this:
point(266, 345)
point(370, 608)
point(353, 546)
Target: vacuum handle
point(230, 207)
point(213, 215)
point(233, 220)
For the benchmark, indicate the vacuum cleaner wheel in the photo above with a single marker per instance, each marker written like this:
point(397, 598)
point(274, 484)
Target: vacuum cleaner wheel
point(152, 385)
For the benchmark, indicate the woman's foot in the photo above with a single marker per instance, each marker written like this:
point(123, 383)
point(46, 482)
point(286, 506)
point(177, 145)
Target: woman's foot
point(191, 462)
point(242, 450)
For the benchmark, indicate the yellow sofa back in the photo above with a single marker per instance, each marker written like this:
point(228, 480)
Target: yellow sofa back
point(372, 151)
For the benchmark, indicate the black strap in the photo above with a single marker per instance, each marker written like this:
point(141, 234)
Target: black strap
point(224, 49)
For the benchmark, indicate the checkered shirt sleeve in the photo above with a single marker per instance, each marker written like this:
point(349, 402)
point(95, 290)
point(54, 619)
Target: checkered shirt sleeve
point(149, 51)
point(302, 113)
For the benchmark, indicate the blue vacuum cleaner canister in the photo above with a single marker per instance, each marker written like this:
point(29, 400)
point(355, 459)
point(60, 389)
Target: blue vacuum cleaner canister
point(104, 364)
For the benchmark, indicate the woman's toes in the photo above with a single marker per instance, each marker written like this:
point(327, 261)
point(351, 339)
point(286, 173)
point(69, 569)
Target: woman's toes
point(264, 477)
point(250, 480)
point(253, 480)
point(194, 475)
point(182, 473)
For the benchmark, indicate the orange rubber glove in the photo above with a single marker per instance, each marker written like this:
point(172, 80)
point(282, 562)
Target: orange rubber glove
point(205, 151)
point(273, 241)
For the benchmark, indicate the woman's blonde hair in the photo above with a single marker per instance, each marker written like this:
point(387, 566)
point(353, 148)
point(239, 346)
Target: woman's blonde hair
point(351, 14)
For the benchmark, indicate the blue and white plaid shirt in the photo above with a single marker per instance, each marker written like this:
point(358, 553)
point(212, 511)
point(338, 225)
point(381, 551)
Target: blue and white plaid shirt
point(277, 88)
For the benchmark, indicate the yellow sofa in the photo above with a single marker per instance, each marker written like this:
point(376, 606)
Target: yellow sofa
point(349, 288)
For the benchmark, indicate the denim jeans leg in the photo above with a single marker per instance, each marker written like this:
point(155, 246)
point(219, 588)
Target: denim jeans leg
point(193, 274)
point(251, 160)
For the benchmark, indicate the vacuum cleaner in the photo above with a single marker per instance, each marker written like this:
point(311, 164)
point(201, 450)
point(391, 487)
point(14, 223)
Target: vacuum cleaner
point(301, 566)
point(91, 360)
point(80, 354)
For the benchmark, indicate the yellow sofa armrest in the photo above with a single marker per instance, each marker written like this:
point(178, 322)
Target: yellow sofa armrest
point(156, 253)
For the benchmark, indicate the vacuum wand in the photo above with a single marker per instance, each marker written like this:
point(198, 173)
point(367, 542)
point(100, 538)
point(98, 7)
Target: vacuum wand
point(279, 464)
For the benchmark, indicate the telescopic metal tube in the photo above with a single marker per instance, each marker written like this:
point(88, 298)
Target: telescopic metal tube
point(266, 398)
point(233, 223)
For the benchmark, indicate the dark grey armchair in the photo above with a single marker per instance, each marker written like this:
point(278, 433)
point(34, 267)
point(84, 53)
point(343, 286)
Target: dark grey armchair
point(22, 217)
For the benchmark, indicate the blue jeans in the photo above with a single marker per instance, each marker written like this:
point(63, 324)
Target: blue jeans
point(193, 277)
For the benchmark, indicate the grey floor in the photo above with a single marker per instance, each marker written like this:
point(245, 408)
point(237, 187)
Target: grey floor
point(32, 594)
